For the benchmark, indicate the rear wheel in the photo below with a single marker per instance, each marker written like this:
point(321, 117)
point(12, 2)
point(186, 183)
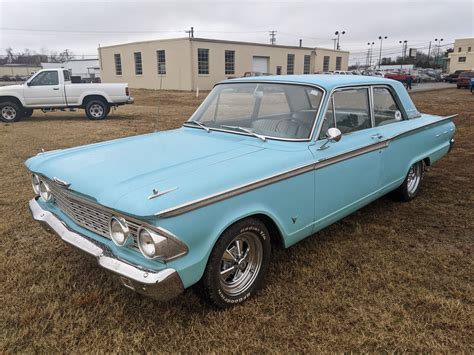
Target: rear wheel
point(411, 185)
point(10, 111)
point(237, 264)
point(97, 109)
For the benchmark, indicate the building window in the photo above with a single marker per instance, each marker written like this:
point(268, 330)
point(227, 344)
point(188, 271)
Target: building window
point(161, 61)
point(290, 64)
point(118, 64)
point(459, 49)
point(338, 63)
point(468, 49)
point(138, 63)
point(306, 64)
point(229, 58)
point(326, 63)
point(203, 61)
point(278, 69)
point(462, 59)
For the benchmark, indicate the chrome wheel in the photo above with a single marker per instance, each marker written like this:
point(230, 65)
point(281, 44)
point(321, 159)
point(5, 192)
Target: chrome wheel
point(9, 113)
point(414, 178)
point(96, 111)
point(240, 263)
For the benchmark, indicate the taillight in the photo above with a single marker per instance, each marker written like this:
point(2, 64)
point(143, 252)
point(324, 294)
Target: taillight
point(127, 92)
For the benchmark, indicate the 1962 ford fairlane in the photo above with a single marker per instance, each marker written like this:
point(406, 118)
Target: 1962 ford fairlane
point(262, 160)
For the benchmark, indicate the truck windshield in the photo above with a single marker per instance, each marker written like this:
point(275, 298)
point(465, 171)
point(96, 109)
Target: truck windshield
point(271, 110)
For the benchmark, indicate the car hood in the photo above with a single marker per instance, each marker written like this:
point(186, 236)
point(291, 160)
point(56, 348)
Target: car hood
point(189, 163)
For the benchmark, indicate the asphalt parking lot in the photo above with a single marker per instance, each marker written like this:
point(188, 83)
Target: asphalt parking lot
point(391, 277)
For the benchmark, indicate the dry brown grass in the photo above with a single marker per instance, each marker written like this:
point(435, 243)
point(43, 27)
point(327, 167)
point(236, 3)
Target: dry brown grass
point(392, 276)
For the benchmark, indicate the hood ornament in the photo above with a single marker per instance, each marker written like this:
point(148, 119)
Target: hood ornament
point(61, 182)
point(157, 193)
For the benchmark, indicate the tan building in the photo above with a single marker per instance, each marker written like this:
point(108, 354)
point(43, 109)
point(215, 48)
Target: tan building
point(190, 63)
point(18, 69)
point(462, 57)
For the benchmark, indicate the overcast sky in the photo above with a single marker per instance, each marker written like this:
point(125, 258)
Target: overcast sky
point(81, 26)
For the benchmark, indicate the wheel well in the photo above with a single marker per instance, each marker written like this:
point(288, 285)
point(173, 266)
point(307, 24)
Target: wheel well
point(275, 234)
point(88, 98)
point(427, 161)
point(11, 99)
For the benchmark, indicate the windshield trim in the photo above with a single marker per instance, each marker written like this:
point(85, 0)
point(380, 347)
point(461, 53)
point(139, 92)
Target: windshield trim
point(316, 117)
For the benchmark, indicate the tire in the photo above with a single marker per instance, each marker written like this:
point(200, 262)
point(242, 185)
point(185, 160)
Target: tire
point(97, 109)
point(10, 111)
point(411, 185)
point(27, 112)
point(243, 247)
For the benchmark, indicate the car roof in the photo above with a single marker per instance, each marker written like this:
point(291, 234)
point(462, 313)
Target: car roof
point(327, 82)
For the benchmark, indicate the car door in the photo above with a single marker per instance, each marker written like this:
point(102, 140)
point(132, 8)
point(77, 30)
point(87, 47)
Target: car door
point(348, 172)
point(44, 90)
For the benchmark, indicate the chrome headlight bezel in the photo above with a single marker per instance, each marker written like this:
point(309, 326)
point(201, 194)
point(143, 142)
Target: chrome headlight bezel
point(122, 225)
point(45, 191)
point(159, 244)
point(35, 183)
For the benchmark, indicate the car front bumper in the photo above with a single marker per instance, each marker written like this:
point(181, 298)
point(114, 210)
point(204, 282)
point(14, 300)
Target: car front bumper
point(161, 285)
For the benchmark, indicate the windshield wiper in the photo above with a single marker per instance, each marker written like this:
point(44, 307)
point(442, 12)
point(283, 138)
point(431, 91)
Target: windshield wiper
point(246, 130)
point(202, 125)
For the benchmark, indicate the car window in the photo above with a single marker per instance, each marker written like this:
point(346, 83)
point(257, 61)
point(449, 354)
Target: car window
point(386, 110)
point(328, 120)
point(67, 77)
point(45, 78)
point(351, 108)
point(273, 110)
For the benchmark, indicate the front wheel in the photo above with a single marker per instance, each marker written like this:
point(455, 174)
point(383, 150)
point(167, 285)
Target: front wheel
point(10, 111)
point(97, 110)
point(411, 185)
point(237, 264)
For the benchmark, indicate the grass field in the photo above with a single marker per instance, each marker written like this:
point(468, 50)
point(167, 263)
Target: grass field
point(393, 276)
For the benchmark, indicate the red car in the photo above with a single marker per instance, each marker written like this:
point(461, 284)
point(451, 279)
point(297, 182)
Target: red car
point(464, 79)
point(399, 76)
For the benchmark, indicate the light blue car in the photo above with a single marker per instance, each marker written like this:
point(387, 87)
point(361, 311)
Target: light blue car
point(263, 161)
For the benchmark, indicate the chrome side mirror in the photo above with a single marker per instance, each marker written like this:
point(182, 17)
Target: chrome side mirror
point(332, 135)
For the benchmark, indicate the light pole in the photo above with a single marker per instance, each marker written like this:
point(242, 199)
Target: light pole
point(404, 45)
point(437, 44)
point(371, 44)
point(338, 34)
point(381, 38)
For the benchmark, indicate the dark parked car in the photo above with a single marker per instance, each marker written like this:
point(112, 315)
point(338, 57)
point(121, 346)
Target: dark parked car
point(452, 78)
point(464, 79)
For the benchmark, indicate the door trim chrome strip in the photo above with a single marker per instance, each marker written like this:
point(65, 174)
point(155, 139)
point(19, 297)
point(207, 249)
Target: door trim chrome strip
point(219, 196)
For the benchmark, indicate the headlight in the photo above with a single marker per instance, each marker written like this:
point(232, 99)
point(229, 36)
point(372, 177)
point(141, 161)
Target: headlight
point(155, 245)
point(44, 191)
point(35, 182)
point(119, 232)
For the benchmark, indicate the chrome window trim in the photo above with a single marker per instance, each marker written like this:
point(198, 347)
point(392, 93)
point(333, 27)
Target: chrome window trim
point(395, 97)
point(219, 196)
point(316, 116)
point(116, 213)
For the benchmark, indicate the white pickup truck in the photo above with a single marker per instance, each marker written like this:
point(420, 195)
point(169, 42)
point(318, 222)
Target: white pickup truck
point(51, 89)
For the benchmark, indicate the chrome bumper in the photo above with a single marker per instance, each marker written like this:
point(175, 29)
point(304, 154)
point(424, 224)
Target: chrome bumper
point(161, 285)
point(451, 144)
point(130, 100)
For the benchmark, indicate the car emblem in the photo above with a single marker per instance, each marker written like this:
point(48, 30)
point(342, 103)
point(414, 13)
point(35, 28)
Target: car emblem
point(61, 182)
point(157, 193)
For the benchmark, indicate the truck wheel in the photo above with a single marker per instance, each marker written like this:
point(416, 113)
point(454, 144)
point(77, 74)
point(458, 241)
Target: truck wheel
point(237, 264)
point(10, 111)
point(27, 112)
point(97, 110)
point(411, 185)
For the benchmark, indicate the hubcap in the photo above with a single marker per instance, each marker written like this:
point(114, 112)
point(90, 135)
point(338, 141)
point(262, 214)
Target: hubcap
point(414, 178)
point(8, 112)
point(241, 263)
point(96, 111)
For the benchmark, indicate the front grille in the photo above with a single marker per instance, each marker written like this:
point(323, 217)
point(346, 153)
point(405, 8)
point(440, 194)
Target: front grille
point(87, 215)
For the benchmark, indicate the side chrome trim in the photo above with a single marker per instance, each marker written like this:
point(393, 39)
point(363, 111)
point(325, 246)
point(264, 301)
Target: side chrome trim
point(219, 196)
point(156, 193)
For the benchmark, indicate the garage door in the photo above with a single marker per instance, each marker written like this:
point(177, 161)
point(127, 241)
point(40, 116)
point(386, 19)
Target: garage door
point(260, 64)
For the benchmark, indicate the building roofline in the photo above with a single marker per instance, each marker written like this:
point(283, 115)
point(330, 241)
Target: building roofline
point(197, 39)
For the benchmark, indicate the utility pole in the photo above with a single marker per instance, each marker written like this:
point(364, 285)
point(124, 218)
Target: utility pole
point(437, 44)
point(371, 44)
point(190, 32)
point(273, 37)
point(429, 51)
point(338, 34)
point(381, 38)
point(404, 44)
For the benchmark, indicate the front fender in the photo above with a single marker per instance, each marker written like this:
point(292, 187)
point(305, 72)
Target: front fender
point(19, 97)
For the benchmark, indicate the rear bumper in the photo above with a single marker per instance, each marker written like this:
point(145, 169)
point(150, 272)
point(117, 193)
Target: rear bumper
point(451, 144)
point(161, 285)
point(130, 100)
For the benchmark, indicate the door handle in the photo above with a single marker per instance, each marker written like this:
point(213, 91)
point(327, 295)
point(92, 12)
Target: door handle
point(55, 88)
point(376, 136)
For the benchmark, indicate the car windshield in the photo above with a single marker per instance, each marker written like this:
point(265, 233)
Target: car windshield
point(271, 110)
